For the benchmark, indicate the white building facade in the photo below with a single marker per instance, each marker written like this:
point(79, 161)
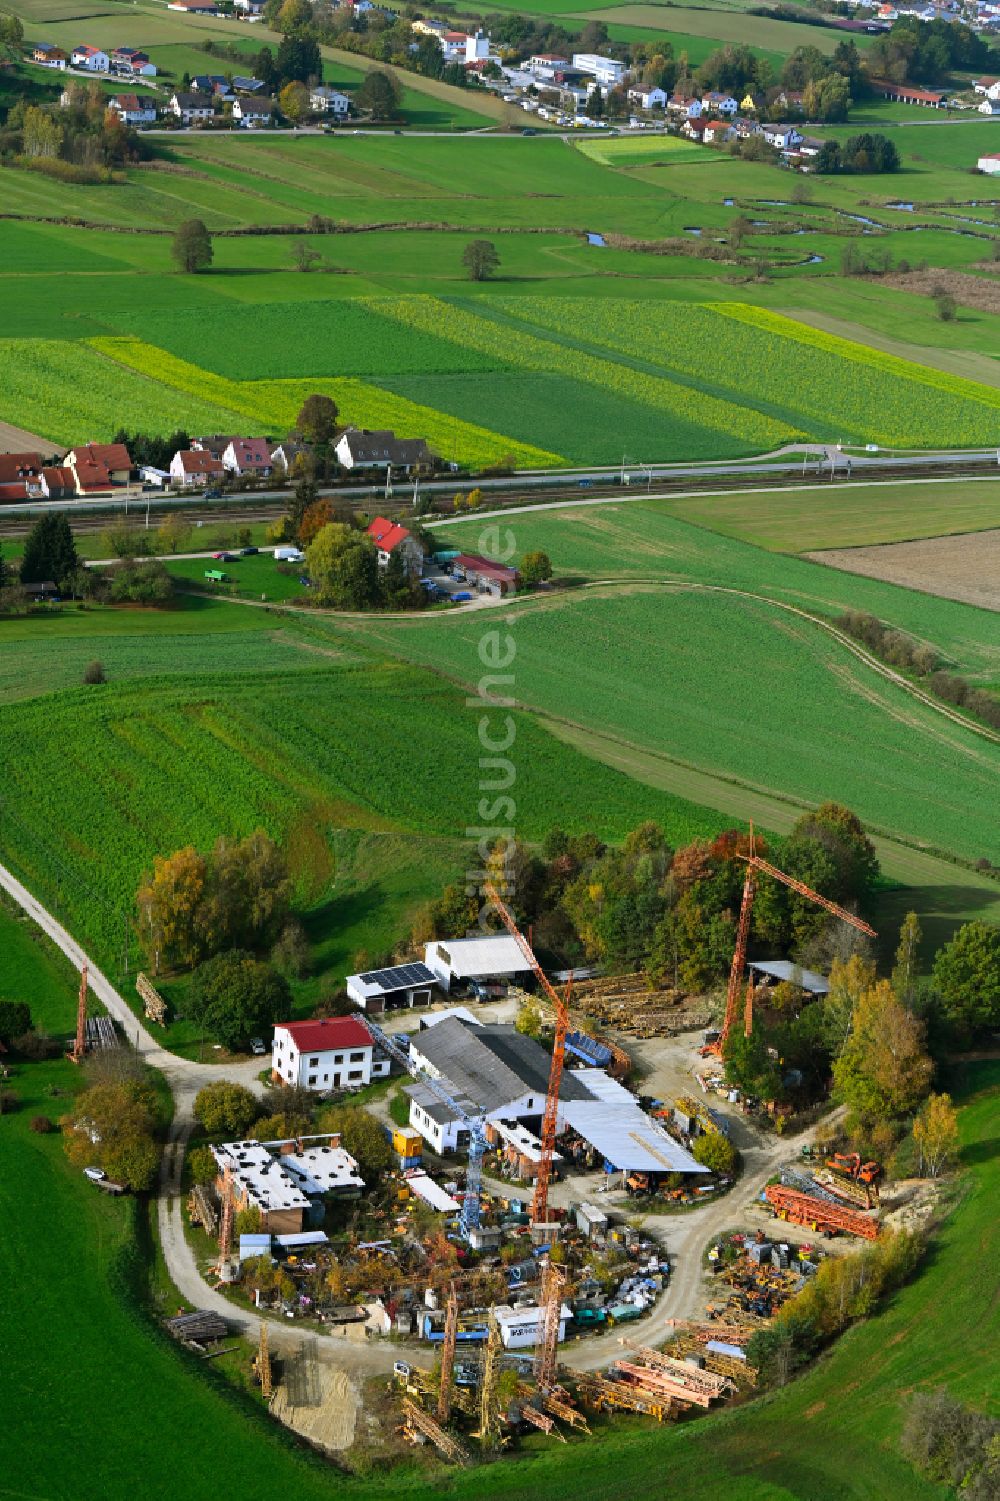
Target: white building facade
point(330, 1053)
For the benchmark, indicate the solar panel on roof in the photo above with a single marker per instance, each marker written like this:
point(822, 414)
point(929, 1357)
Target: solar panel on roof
point(399, 977)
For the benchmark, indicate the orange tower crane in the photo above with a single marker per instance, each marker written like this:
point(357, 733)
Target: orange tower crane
point(80, 1041)
point(540, 1200)
point(550, 1312)
point(756, 866)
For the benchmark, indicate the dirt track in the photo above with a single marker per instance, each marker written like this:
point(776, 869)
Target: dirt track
point(966, 568)
point(19, 440)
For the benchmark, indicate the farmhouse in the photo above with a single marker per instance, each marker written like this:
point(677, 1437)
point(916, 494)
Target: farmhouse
point(990, 164)
point(286, 1187)
point(195, 467)
point(24, 469)
point(717, 131)
point(782, 137)
point(194, 7)
point(248, 456)
point(132, 110)
point(191, 107)
point(480, 961)
point(331, 1053)
point(403, 986)
point(58, 483)
point(359, 448)
point(389, 537)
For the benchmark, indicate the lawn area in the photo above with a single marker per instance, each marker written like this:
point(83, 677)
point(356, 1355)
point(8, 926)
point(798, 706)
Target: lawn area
point(257, 578)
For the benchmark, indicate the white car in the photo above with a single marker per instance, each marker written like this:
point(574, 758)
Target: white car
point(257, 1047)
point(95, 1174)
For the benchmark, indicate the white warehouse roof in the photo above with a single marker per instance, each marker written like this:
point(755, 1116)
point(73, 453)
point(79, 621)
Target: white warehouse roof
point(471, 958)
point(621, 1131)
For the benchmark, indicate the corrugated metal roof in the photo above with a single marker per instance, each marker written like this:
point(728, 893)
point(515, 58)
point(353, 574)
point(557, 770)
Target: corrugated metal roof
point(627, 1137)
point(469, 958)
point(492, 1065)
point(783, 969)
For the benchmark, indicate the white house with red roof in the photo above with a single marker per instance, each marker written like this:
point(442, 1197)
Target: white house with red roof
point(132, 110)
point(248, 456)
point(192, 467)
point(390, 537)
point(335, 1052)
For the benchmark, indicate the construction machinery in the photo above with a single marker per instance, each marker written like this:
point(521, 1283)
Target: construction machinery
point(550, 1311)
point(850, 1165)
point(471, 1213)
point(488, 1432)
point(416, 1421)
point(819, 1214)
point(757, 866)
point(560, 1004)
point(79, 1049)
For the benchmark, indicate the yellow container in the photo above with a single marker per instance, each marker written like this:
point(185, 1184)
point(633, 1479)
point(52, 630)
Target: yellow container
point(407, 1142)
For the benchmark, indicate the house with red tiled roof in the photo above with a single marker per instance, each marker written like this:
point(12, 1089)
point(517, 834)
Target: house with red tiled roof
point(390, 537)
point(191, 467)
point(248, 456)
point(335, 1052)
point(23, 469)
point(132, 110)
point(99, 466)
point(58, 482)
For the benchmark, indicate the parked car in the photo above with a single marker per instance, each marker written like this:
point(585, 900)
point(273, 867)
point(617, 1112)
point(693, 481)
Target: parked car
point(95, 1174)
point(224, 557)
point(462, 597)
point(248, 552)
point(257, 1047)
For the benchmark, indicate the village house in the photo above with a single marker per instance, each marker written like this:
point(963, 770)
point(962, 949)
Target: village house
point(249, 10)
point(91, 58)
point(719, 104)
point(253, 112)
point(389, 538)
point(329, 1053)
point(989, 87)
point(215, 444)
point(194, 467)
point(130, 60)
point(990, 164)
point(58, 482)
point(749, 104)
point(211, 83)
point(990, 107)
point(248, 456)
point(286, 455)
point(99, 466)
point(323, 100)
point(247, 85)
point(194, 7)
point(693, 129)
point(655, 98)
point(21, 475)
point(286, 1181)
point(192, 108)
point(717, 132)
point(132, 110)
point(47, 55)
point(358, 448)
point(782, 137)
point(688, 105)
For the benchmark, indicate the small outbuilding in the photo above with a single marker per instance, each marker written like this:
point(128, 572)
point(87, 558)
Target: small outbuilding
point(466, 961)
point(401, 987)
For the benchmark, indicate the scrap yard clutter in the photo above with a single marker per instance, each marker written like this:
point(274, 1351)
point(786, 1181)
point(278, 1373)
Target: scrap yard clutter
point(491, 1236)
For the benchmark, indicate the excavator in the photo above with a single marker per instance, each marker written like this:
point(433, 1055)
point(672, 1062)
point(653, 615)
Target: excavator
point(849, 1165)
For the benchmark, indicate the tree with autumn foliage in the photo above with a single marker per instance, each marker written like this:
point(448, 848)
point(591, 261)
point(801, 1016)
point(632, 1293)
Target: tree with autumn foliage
point(883, 1072)
point(935, 1134)
point(315, 517)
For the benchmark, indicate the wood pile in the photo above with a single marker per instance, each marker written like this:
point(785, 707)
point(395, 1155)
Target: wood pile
point(626, 1003)
point(195, 1328)
point(202, 1208)
point(155, 1007)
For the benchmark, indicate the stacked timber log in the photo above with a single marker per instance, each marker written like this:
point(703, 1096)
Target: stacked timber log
point(195, 1328)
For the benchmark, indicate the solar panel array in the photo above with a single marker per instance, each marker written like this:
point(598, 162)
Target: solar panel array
point(399, 977)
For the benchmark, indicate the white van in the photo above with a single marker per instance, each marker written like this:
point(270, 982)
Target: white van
point(289, 555)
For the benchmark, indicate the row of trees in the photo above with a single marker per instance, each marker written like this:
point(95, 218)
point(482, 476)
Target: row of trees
point(83, 136)
point(868, 152)
point(917, 51)
point(50, 555)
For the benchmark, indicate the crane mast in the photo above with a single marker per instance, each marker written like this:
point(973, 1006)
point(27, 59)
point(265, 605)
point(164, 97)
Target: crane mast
point(540, 1199)
point(757, 865)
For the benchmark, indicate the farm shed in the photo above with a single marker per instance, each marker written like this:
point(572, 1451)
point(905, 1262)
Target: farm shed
point(611, 1120)
point(464, 960)
point(484, 575)
point(404, 985)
